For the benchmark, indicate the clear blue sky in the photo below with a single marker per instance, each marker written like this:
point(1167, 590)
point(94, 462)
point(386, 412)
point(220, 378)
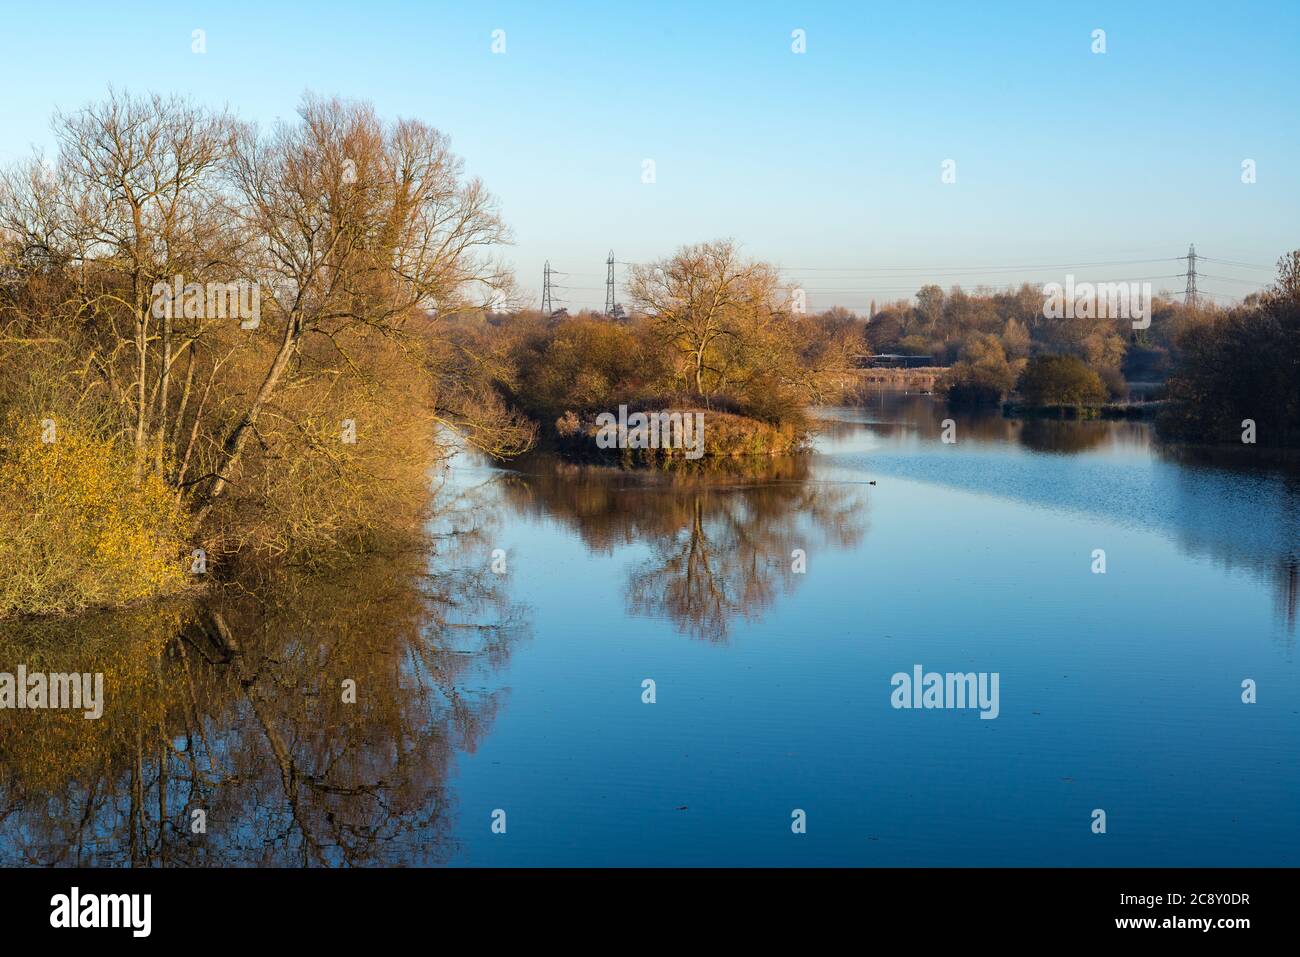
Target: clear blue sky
point(824, 161)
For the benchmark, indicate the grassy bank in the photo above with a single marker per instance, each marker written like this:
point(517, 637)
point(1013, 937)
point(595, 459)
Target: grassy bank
point(722, 435)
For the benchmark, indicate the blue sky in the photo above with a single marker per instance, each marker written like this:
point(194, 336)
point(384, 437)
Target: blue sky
point(827, 162)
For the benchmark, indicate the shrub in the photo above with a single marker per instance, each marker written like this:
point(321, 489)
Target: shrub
point(567, 425)
point(80, 532)
point(1060, 380)
point(307, 494)
point(982, 377)
point(725, 436)
point(580, 364)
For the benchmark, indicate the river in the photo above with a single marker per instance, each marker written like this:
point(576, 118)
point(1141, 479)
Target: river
point(596, 667)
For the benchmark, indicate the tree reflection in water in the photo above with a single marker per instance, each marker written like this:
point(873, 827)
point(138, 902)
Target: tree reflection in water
point(720, 540)
point(233, 705)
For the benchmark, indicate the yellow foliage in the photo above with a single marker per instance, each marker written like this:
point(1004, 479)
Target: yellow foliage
point(78, 532)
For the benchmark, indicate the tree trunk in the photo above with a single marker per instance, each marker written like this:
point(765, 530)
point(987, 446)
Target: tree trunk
point(233, 447)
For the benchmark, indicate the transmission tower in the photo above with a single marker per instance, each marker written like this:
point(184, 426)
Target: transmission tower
point(1189, 297)
point(546, 290)
point(609, 284)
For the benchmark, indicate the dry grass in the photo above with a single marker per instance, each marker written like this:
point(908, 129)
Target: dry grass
point(725, 436)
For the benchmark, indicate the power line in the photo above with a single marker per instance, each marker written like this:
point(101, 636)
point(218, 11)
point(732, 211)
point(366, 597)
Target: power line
point(863, 280)
point(874, 288)
point(1230, 262)
point(1249, 282)
point(953, 270)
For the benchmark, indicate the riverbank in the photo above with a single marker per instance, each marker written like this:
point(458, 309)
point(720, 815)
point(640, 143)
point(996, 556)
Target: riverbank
point(674, 438)
point(771, 609)
point(1131, 411)
point(918, 379)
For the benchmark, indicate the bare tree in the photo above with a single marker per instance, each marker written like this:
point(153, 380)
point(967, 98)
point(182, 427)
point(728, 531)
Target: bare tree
point(360, 225)
point(137, 180)
point(700, 299)
point(364, 239)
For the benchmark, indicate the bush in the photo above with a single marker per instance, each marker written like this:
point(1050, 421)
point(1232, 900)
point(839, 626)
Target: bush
point(1060, 380)
point(982, 377)
point(580, 365)
point(725, 436)
point(304, 492)
point(1113, 379)
point(567, 425)
point(79, 532)
point(967, 385)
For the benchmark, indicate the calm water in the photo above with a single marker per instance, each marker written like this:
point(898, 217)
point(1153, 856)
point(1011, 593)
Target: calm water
point(522, 691)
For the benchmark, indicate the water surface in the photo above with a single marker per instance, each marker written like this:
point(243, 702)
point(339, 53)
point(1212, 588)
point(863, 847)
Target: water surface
point(521, 690)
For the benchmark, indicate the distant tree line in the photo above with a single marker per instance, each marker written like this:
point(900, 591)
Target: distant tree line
point(1222, 368)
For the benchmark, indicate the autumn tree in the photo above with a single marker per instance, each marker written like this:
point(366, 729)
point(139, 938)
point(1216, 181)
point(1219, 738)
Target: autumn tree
point(1239, 373)
point(366, 241)
point(361, 225)
point(131, 200)
point(702, 301)
point(982, 375)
